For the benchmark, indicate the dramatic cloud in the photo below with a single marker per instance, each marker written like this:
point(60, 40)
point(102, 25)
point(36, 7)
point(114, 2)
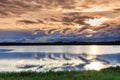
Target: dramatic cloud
point(59, 20)
point(12, 7)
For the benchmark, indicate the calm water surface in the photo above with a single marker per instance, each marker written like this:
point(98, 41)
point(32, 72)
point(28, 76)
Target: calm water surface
point(58, 58)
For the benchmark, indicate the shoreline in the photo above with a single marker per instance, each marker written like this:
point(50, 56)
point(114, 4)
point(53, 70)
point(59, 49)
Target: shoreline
point(111, 73)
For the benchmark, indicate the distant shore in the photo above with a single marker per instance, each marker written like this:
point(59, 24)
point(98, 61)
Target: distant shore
point(58, 43)
point(112, 73)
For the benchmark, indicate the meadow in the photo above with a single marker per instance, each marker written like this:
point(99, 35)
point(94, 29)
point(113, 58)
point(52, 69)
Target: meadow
point(112, 73)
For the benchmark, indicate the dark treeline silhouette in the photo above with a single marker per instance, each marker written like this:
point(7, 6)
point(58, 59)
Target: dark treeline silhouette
point(60, 43)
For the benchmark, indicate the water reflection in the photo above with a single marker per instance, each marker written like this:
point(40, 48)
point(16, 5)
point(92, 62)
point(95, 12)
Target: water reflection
point(63, 49)
point(58, 58)
point(96, 65)
point(94, 50)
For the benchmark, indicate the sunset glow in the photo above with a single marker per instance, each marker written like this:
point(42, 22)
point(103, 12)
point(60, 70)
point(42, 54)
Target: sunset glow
point(96, 21)
point(46, 21)
point(79, 26)
point(97, 9)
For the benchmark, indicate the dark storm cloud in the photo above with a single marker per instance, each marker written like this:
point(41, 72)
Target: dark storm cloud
point(108, 32)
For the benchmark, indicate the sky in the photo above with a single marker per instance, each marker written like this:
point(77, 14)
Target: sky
point(59, 20)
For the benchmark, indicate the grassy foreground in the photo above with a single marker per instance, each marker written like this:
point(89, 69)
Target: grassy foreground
point(105, 74)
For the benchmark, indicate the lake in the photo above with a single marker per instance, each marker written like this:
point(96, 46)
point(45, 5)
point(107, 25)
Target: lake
point(58, 58)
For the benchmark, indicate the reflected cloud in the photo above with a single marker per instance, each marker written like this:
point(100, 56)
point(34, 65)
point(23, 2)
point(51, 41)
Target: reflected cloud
point(96, 66)
point(69, 58)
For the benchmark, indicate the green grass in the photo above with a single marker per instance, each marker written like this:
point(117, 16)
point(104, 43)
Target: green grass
point(104, 74)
